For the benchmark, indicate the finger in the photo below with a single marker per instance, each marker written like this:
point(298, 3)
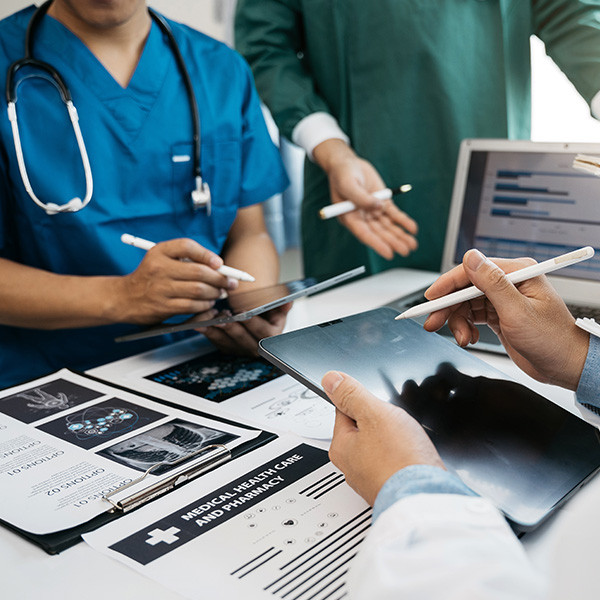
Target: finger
point(278, 316)
point(179, 306)
point(191, 271)
point(284, 309)
point(401, 218)
point(185, 248)
point(457, 278)
point(360, 228)
point(349, 396)
point(437, 319)
point(343, 427)
point(354, 190)
point(462, 328)
point(192, 290)
point(168, 265)
point(219, 339)
point(234, 337)
point(261, 327)
point(449, 282)
point(492, 281)
point(395, 237)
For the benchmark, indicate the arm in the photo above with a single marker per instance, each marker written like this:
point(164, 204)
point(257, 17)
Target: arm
point(571, 32)
point(250, 248)
point(269, 36)
point(430, 533)
point(160, 287)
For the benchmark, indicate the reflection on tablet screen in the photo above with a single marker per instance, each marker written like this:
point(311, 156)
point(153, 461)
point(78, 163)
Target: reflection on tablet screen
point(504, 440)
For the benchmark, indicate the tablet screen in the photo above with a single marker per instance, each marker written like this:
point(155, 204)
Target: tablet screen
point(505, 441)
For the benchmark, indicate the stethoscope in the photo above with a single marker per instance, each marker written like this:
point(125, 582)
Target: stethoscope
point(201, 196)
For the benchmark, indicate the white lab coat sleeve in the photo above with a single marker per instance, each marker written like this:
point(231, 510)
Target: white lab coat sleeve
point(316, 128)
point(450, 546)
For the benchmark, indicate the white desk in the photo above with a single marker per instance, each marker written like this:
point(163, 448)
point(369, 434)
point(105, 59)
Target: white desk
point(27, 572)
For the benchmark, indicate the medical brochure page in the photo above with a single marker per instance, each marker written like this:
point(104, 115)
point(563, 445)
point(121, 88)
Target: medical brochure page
point(247, 389)
point(278, 522)
point(67, 440)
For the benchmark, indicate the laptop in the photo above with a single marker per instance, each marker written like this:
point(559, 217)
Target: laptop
point(522, 198)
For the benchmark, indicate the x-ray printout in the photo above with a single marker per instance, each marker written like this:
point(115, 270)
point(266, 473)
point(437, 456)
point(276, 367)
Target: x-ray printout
point(280, 522)
point(66, 440)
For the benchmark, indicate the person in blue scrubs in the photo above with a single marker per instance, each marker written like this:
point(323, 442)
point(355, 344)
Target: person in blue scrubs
point(68, 286)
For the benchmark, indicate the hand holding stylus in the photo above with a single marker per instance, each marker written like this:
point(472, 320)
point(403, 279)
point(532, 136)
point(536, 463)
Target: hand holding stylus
point(531, 320)
point(535, 270)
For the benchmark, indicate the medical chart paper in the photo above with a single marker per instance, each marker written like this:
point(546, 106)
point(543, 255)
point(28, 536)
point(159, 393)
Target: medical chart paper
point(279, 522)
point(66, 440)
point(246, 389)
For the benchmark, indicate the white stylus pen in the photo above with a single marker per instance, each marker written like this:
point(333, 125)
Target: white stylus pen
point(143, 244)
point(564, 260)
point(341, 208)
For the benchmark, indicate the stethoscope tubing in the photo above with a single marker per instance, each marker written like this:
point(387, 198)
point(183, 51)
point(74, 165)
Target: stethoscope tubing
point(200, 195)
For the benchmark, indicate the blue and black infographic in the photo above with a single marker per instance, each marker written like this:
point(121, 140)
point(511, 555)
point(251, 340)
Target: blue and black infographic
point(46, 400)
point(217, 376)
point(166, 443)
point(101, 423)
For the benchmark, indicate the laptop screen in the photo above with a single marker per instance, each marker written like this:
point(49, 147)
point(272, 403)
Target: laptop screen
point(527, 201)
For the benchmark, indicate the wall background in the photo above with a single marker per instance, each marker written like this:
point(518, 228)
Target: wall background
point(209, 16)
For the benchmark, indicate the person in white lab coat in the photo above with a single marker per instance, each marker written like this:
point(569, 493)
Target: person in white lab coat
point(432, 537)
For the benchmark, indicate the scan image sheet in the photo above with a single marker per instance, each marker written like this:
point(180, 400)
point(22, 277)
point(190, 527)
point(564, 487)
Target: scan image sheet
point(248, 389)
point(280, 522)
point(66, 440)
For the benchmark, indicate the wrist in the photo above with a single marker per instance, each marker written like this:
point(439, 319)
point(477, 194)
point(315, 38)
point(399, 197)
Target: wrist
point(332, 153)
point(575, 353)
point(113, 300)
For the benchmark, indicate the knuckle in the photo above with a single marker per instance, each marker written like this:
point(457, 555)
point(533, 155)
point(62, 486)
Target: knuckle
point(527, 261)
point(187, 245)
point(345, 394)
point(497, 278)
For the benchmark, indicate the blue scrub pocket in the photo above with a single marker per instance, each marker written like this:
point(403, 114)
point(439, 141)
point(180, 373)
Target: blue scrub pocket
point(221, 169)
point(182, 175)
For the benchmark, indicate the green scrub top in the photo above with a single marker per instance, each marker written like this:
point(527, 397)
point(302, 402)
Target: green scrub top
point(407, 80)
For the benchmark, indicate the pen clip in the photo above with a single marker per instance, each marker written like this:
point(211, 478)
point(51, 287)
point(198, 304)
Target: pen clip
point(207, 457)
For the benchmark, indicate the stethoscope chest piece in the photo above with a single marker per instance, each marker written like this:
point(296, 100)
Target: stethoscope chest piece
point(201, 197)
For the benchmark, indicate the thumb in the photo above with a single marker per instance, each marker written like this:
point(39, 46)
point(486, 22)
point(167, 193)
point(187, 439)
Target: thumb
point(491, 280)
point(349, 396)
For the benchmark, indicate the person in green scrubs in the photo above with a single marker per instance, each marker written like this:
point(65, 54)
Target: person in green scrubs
point(381, 93)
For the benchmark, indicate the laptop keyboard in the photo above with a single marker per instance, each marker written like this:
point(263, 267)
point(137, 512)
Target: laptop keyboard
point(488, 340)
point(591, 312)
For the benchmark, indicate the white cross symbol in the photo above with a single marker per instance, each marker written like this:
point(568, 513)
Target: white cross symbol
point(158, 535)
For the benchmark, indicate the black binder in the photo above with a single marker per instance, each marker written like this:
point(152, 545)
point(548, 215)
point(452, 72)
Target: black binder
point(53, 543)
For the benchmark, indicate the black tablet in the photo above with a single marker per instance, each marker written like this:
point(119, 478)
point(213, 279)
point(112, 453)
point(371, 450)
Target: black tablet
point(241, 306)
point(505, 441)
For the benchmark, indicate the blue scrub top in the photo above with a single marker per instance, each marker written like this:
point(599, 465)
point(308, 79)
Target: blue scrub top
point(139, 142)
